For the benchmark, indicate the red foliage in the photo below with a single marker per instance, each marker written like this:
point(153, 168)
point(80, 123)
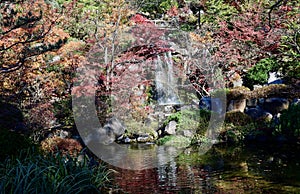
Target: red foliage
point(173, 11)
point(246, 39)
point(139, 19)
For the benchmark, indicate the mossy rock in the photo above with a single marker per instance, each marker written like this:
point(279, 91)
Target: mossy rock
point(231, 136)
point(237, 118)
point(237, 93)
point(276, 90)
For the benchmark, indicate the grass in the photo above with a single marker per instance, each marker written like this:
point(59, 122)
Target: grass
point(36, 173)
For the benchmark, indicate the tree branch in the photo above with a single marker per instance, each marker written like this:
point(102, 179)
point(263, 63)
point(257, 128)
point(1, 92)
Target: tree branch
point(277, 4)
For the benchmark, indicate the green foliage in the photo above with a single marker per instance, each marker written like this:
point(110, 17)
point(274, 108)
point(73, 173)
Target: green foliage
point(33, 173)
point(187, 27)
point(174, 140)
point(217, 10)
point(165, 5)
point(237, 118)
point(199, 139)
point(11, 143)
point(235, 133)
point(290, 121)
point(259, 73)
point(156, 8)
point(163, 140)
point(190, 120)
point(289, 47)
point(63, 112)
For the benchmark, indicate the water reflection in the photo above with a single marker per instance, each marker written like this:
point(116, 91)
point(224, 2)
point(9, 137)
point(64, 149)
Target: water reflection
point(223, 169)
point(135, 156)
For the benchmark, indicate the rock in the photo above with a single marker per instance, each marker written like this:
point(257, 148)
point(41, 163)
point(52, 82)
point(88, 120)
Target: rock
point(275, 105)
point(251, 102)
point(107, 134)
point(159, 132)
point(274, 78)
point(186, 133)
point(64, 134)
point(255, 87)
point(237, 105)
point(266, 117)
point(170, 129)
point(154, 135)
point(143, 138)
point(237, 118)
point(296, 101)
point(127, 140)
point(114, 127)
point(256, 113)
point(237, 82)
point(169, 109)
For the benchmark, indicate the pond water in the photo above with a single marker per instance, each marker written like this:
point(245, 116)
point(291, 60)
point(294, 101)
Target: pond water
point(259, 168)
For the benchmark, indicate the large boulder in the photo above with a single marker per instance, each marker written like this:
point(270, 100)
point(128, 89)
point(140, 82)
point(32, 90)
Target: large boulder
point(170, 129)
point(237, 118)
point(257, 113)
point(237, 105)
point(107, 134)
point(252, 102)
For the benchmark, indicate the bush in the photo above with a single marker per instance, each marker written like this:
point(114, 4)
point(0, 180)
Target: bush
point(34, 173)
point(177, 141)
point(157, 8)
point(65, 146)
point(190, 120)
point(237, 118)
point(289, 123)
point(259, 73)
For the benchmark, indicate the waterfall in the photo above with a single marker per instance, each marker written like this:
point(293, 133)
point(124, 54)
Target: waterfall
point(166, 88)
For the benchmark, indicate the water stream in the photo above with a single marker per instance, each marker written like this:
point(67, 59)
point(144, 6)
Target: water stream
point(165, 81)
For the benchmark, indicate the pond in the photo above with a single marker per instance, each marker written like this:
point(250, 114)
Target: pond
point(259, 168)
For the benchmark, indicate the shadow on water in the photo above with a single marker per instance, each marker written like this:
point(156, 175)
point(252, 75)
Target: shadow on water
point(223, 169)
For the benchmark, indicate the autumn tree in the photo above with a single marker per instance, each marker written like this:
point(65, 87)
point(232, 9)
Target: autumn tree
point(36, 62)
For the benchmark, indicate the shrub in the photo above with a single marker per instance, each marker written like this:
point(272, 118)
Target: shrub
point(155, 9)
point(190, 119)
point(34, 173)
point(65, 146)
point(290, 121)
point(237, 118)
point(174, 140)
point(259, 73)
point(63, 112)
